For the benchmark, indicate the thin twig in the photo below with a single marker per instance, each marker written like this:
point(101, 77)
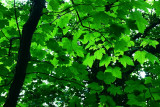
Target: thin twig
point(146, 30)
point(11, 44)
point(7, 83)
point(6, 76)
point(151, 94)
point(4, 35)
point(16, 19)
point(82, 23)
point(89, 27)
point(58, 17)
point(56, 78)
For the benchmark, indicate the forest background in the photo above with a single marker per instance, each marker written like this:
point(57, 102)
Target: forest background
point(91, 53)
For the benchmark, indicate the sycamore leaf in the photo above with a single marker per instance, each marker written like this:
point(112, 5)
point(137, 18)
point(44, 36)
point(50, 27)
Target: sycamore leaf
point(3, 23)
point(78, 49)
point(152, 58)
point(134, 85)
point(67, 44)
point(133, 100)
point(105, 60)
point(156, 5)
point(100, 75)
point(154, 43)
point(141, 4)
point(101, 17)
point(64, 20)
point(53, 45)
point(115, 71)
point(155, 69)
point(140, 21)
point(126, 60)
point(114, 90)
point(103, 98)
point(0, 79)
point(94, 86)
point(109, 78)
point(150, 42)
point(148, 80)
point(99, 53)
point(53, 4)
point(4, 70)
point(140, 56)
point(3, 52)
point(121, 45)
point(89, 60)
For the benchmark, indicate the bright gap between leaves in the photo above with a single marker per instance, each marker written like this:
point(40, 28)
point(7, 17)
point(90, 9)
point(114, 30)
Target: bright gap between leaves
point(142, 74)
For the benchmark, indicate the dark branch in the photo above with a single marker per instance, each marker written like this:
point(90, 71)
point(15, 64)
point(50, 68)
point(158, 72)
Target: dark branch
point(89, 27)
point(4, 35)
point(15, 13)
point(10, 47)
point(62, 79)
point(6, 84)
point(24, 53)
point(146, 30)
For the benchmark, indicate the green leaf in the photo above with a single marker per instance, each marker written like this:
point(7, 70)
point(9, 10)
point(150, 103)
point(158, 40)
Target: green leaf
point(3, 23)
point(152, 58)
point(74, 101)
point(64, 20)
point(140, 21)
point(53, 4)
point(148, 80)
point(105, 60)
point(103, 98)
point(101, 17)
point(141, 4)
point(67, 44)
point(100, 75)
point(150, 42)
point(115, 71)
point(134, 85)
point(154, 43)
point(140, 56)
point(126, 60)
point(80, 71)
point(156, 6)
point(109, 78)
point(4, 70)
point(114, 90)
point(53, 45)
point(3, 52)
point(107, 100)
point(88, 60)
point(134, 101)
point(95, 86)
point(99, 53)
point(78, 49)
point(0, 79)
point(121, 45)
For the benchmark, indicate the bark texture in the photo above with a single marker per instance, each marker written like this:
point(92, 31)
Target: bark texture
point(24, 52)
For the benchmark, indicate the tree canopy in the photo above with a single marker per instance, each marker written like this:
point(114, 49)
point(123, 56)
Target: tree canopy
point(80, 53)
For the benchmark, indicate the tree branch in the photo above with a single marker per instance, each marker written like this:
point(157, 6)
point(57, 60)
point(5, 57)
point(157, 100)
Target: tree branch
point(57, 78)
point(15, 13)
point(147, 30)
point(6, 84)
point(24, 53)
point(4, 34)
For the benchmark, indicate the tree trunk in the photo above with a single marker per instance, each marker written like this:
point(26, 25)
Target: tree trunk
point(24, 52)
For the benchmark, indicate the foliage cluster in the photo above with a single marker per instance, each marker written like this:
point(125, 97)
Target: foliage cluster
point(85, 53)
